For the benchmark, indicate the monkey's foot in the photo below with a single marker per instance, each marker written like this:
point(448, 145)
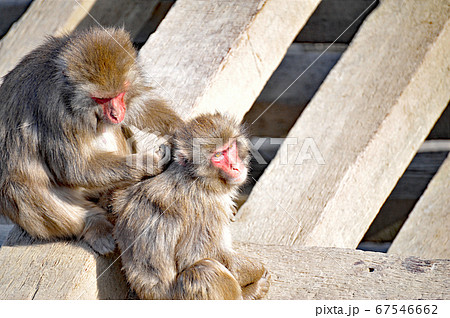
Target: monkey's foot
point(259, 289)
point(99, 237)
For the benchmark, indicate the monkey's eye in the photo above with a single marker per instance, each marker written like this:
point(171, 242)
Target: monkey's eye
point(101, 100)
point(218, 156)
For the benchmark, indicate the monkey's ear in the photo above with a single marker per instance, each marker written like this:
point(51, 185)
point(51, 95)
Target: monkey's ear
point(181, 158)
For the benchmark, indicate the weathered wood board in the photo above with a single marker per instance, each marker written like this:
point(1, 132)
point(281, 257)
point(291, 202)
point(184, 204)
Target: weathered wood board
point(10, 12)
point(332, 18)
point(66, 270)
point(130, 14)
point(426, 232)
point(442, 128)
point(32, 269)
point(367, 121)
point(222, 55)
point(408, 191)
point(38, 21)
point(314, 61)
point(55, 17)
point(152, 23)
point(335, 273)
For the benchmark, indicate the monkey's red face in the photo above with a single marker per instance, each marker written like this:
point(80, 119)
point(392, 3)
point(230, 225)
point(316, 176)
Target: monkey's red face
point(114, 108)
point(227, 160)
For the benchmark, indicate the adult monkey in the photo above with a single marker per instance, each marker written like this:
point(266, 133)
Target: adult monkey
point(64, 118)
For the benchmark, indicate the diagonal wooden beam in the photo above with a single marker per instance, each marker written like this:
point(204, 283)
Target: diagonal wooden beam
point(54, 17)
point(218, 55)
point(367, 121)
point(426, 232)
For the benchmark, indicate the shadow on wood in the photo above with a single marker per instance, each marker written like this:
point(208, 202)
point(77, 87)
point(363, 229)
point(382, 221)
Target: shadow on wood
point(36, 269)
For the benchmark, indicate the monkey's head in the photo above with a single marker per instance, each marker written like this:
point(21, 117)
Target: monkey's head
point(213, 147)
point(100, 66)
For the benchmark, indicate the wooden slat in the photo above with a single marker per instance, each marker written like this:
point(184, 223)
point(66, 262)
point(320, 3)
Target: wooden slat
point(209, 55)
point(332, 18)
point(282, 115)
point(10, 12)
point(43, 17)
point(33, 269)
point(66, 270)
point(335, 273)
point(54, 17)
point(131, 14)
point(408, 191)
point(426, 232)
point(368, 119)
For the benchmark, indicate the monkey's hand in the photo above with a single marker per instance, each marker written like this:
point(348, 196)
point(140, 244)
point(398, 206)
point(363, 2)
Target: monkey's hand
point(258, 289)
point(251, 274)
point(150, 164)
point(153, 152)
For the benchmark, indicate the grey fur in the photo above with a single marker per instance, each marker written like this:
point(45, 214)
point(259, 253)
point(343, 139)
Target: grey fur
point(49, 160)
point(173, 229)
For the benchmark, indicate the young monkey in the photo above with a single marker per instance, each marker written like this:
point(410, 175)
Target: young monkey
point(173, 229)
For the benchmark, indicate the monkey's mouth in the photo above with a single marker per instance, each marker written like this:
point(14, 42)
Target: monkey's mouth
point(114, 113)
point(238, 176)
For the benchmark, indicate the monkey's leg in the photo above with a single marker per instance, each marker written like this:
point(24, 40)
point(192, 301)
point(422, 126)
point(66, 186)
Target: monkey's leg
point(206, 279)
point(49, 213)
point(252, 276)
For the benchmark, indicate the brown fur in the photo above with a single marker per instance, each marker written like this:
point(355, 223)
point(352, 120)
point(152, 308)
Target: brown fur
point(51, 155)
point(173, 229)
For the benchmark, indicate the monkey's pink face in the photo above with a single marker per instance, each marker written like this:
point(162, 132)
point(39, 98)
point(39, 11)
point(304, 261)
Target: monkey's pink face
point(227, 159)
point(114, 108)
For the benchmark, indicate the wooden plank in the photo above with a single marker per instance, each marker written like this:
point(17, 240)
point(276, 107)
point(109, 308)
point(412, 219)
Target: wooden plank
point(152, 23)
point(442, 128)
point(300, 58)
point(222, 55)
point(426, 232)
point(10, 12)
point(55, 17)
point(367, 121)
point(408, 191)
point(37, 22)
point(131, 14)
point(332, 18)
point(206, 54)
point(66, 270)
point(335, 273)
point(32, 269)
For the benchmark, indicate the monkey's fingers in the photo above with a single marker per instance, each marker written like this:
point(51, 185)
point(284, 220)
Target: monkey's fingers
point(164, 153)
point(258, 289)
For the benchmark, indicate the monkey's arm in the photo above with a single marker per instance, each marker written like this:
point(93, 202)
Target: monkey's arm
point(90, 169)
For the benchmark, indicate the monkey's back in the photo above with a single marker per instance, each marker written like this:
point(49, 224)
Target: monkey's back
point(23, 119)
